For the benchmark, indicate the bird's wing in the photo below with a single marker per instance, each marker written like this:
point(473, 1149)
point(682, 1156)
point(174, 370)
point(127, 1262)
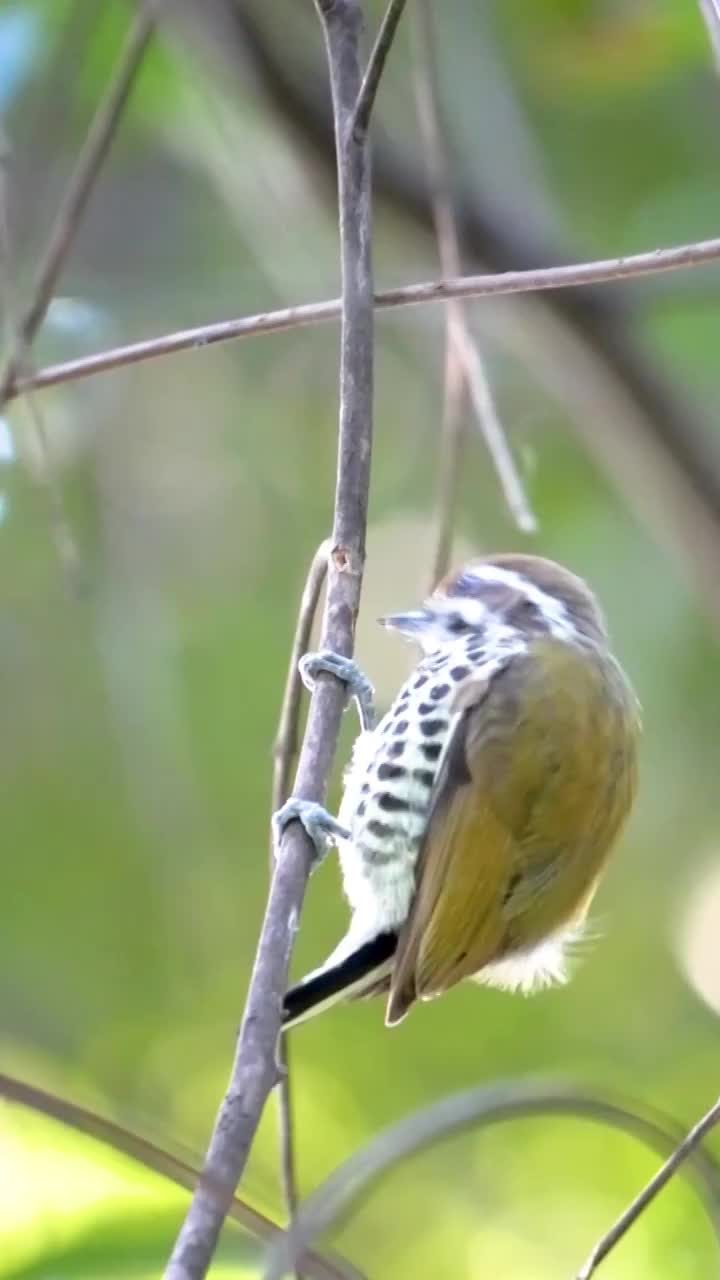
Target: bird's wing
point(532, 783)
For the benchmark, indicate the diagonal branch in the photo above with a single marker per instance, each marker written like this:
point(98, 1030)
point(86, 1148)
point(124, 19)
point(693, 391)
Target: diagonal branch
point(463, 363)
point(483, 285)
point(254, 1071)
point(74, 202)
point(376, 66)
point(681, 1153)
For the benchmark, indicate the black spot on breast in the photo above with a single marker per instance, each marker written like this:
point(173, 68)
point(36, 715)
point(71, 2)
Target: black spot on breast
point(361, 808)
point(459, 673)
point(400, 726)
point(439, 691)
point(392, 804)
point(431, 750)
point(421, 680)
point(382, 830)
point(387, 772)
point(364, 788)
point(426, 708)
point(396, 749)
point(424, 776)
point(430, 728)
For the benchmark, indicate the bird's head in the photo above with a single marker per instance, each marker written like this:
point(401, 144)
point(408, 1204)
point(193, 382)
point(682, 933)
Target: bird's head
point(528, 594)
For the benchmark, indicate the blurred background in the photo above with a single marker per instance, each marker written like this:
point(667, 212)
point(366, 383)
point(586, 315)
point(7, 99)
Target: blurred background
point(141, 683)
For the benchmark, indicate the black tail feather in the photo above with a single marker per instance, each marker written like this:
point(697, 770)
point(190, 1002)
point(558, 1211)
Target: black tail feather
point(329, 984)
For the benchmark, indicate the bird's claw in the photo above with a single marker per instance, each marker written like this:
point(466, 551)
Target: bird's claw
point(322, 828)
point(347, 670)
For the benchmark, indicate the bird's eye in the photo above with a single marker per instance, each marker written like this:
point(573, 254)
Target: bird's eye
point(457, 624)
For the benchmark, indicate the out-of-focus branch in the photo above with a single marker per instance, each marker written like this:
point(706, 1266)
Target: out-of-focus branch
point(472, 1110)
point(181, 1172)
point(255, 1070)
point(463, 363)
point(284, 758)
point(568, 278)
point(681, 1153)
point(74, 202)
point(647, 428)
point(710, 10)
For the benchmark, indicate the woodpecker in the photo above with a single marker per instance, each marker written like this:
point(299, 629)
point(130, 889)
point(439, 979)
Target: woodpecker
point(478, 815)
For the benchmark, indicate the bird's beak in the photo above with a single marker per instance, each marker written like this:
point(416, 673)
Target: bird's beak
point(408, 624)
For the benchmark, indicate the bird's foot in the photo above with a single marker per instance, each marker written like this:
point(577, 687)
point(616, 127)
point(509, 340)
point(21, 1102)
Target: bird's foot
point(320, 825)
point(347, 670)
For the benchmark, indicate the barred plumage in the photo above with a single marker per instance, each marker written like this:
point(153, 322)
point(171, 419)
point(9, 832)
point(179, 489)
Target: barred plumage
point(481, 808)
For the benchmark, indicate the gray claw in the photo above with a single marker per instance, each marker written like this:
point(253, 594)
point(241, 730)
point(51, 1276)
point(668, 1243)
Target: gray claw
point(320, 825)
point(347, 670)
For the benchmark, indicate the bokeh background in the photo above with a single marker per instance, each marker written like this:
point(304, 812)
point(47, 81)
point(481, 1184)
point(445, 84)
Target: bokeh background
point(140, 691)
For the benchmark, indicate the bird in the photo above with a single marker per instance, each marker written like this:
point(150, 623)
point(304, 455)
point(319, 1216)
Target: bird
point(478, 815)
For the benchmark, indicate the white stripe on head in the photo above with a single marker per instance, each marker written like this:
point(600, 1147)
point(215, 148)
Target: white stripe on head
point(552, 610)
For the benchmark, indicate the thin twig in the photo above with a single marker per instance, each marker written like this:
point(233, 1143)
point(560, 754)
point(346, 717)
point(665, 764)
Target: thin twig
point(255, 1071)
point(284, 757)
point(452, 438)
point(487, 285)
point(473, 1109)
point(648, 1194)
point(286, 743)
point(376, 66)
point(461, 350)
point(168, 1165)
point(97, 143)
point(37, 435)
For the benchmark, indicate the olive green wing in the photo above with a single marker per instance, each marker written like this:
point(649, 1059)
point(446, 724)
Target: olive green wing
point(538, 776)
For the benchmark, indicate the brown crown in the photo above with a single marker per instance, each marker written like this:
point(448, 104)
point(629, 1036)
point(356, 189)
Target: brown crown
point(509, 601)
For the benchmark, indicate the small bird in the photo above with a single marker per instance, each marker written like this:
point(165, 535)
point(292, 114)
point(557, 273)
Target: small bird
point(478, 816)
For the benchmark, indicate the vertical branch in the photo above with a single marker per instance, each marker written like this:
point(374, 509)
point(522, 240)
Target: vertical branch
point(255, 1070)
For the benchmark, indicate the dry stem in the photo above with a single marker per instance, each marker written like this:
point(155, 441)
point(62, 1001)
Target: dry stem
point(487, 285)
point(463, 363)
point(681, 1153)
point(255, 1070)
point(74, 202)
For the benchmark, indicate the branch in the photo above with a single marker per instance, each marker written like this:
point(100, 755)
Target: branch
point(74, 202)
point(645, 433)
point(254, 1070)
point(375, 67)
point(648, 1194)
point(463, 363)
point(492, 284)
point(159, 1160)
point(473, 1109)
point(284, 755)
point(286, 740)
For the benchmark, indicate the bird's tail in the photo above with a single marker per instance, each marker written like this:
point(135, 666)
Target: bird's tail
point(364, 972)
